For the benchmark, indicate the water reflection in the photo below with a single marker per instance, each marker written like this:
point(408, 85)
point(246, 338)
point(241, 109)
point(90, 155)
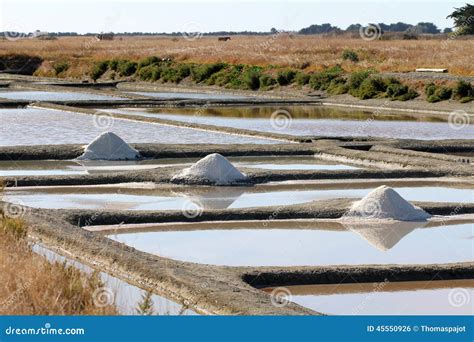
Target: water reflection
point(387, 298)
point(296, 244)
point(383, 235)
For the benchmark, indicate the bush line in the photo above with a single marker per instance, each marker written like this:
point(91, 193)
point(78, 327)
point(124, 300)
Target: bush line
point(365, 84)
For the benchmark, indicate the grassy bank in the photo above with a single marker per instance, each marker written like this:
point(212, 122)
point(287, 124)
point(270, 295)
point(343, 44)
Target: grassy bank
point(317, 63)
point(363, 84)
point(30, 285)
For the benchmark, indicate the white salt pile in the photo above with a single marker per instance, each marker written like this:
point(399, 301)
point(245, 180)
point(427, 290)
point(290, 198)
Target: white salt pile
point(109, 146)
point(386, 203)
point(214, 169)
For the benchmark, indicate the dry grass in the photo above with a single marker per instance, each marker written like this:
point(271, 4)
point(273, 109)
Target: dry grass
point(30, 285)
point(308, 52)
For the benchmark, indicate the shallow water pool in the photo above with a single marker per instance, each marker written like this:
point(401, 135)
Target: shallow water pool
point(316, 121)
point(347, 244)
point(32, 126)
point(61, 167)
point(209, 197)
point(452, 297)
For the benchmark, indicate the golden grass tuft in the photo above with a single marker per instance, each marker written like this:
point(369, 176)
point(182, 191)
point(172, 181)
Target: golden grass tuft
point(30, 285)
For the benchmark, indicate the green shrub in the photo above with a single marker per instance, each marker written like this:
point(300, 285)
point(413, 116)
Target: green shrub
point(175, 73)
point(251, 78)
point(148, 61)
point(149, 73)
point(371, 87)
point(409, 95)
point(463, 89)
point(338, 86)
point(60, 67)
point(126, 68)
point(394, 90)
point(400, 92)
point(444, 93)
point(355, 80)
point(229, 77)
point(285, 77)
point(113, 64)
point(430, 89)
point(302, 78)
point(99, 69)
point(203, 72)
point(321, 80)
point(267, 82)
point(440, 94)
point(350, 55)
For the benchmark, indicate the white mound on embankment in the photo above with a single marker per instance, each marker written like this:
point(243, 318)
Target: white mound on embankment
point(214, 168)
point(385, 203)
point(109, 146)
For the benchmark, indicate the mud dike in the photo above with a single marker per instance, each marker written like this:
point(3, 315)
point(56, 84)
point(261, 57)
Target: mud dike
point(83, 234)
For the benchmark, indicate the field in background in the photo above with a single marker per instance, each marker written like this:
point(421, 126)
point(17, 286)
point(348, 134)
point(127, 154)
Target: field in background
point(303, 52)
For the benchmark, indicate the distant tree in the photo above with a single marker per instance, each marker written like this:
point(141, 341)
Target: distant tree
point(463, 19)
point(426, 28)
point(273, 30)
point(354, 27)
point(399, 27)
point(447, 30)
point(317, 29)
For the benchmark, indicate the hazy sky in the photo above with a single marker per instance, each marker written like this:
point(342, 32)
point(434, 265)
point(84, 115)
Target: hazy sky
point(226, 15)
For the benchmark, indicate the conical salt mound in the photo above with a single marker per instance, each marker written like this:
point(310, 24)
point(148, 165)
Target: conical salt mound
point(109, 146)
point(386, 203)
point(212, 169)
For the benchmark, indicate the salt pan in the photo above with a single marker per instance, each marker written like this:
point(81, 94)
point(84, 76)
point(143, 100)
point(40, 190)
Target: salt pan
point(109, 146)
point(214, 169)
